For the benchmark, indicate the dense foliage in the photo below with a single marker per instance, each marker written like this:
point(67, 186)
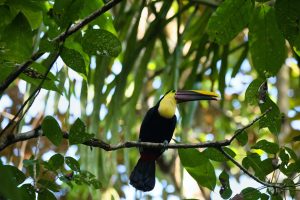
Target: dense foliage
point(75, 78)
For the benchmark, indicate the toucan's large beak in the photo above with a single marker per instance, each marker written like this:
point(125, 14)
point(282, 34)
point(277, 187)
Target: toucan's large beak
point(194, 95)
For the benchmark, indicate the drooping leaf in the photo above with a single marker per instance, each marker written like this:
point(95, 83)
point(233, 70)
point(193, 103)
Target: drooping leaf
point(291, 153)
point(268, 147)
point(199, 167)
point(267, 45)
point(27, 191)
point(78, 133)
point(284, 157)
point(66, 12)
point(288, 15)
point(251, 95)
point(260, 168)
point(52, 130)
point(16, 40)
point(74, 60)
point(229, 19)
point(72, 163)
point(225, 190)
point(273, 119)
point(101, 42)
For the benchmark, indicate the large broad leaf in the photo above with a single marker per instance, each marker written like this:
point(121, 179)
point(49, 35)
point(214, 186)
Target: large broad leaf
point(229, 19)
point(52, 130)
point(215, 155)
point(268, 147)
point(74, 60)
point(250, 193)
point(78, 133)
point(16, 40)
point(10, 178)
point(199, 167)
point(267, 44)
point(288, 15)
point(101, 42)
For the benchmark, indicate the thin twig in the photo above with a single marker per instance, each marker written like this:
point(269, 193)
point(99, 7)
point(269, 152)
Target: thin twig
point(59, 38)
point(239, 131)
point(246, 171)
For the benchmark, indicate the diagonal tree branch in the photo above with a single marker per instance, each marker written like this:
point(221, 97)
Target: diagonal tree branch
point(274, 185)
point(59, 38)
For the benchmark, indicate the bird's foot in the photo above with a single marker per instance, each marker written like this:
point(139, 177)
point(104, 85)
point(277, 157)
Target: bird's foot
point(165, 146)
point(140, 148)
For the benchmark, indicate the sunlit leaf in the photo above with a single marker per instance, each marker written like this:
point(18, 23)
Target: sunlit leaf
point(251, 95)
point(229, 19)
point(199, 167)
point(268, 147)
point(101, 42)
point(74, 60)
point(267, 45)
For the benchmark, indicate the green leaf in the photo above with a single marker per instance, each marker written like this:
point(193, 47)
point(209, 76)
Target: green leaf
point(229, 19)
point(47, 184)
point(276, 196)
point(66, 12)
point(199, 167)
point(267, 45)
point(289, 183)
point(15, 174)
point(250, 193)
point(16, 40)
point(291, 153)
point(284, 157)
point(95, 183)
point(225, 190)
point(27, 191)
point(252, 94)
point(288, 15)
point(77, 133)
point(35, 18)
point(74, 60)
point(72, 163)
point(242, 138)
point(46, 195)
point(6, 16)
point(272, 120)
point(214, 154)
point(52, 130)
point(55, 162)
point(268, 147)
point(101, 42)
point(260, 168)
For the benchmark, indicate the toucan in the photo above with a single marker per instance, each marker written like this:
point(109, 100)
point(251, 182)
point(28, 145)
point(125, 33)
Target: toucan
point(158, 126)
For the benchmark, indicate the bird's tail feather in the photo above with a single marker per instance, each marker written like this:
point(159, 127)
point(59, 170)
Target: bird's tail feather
point(143, 175)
